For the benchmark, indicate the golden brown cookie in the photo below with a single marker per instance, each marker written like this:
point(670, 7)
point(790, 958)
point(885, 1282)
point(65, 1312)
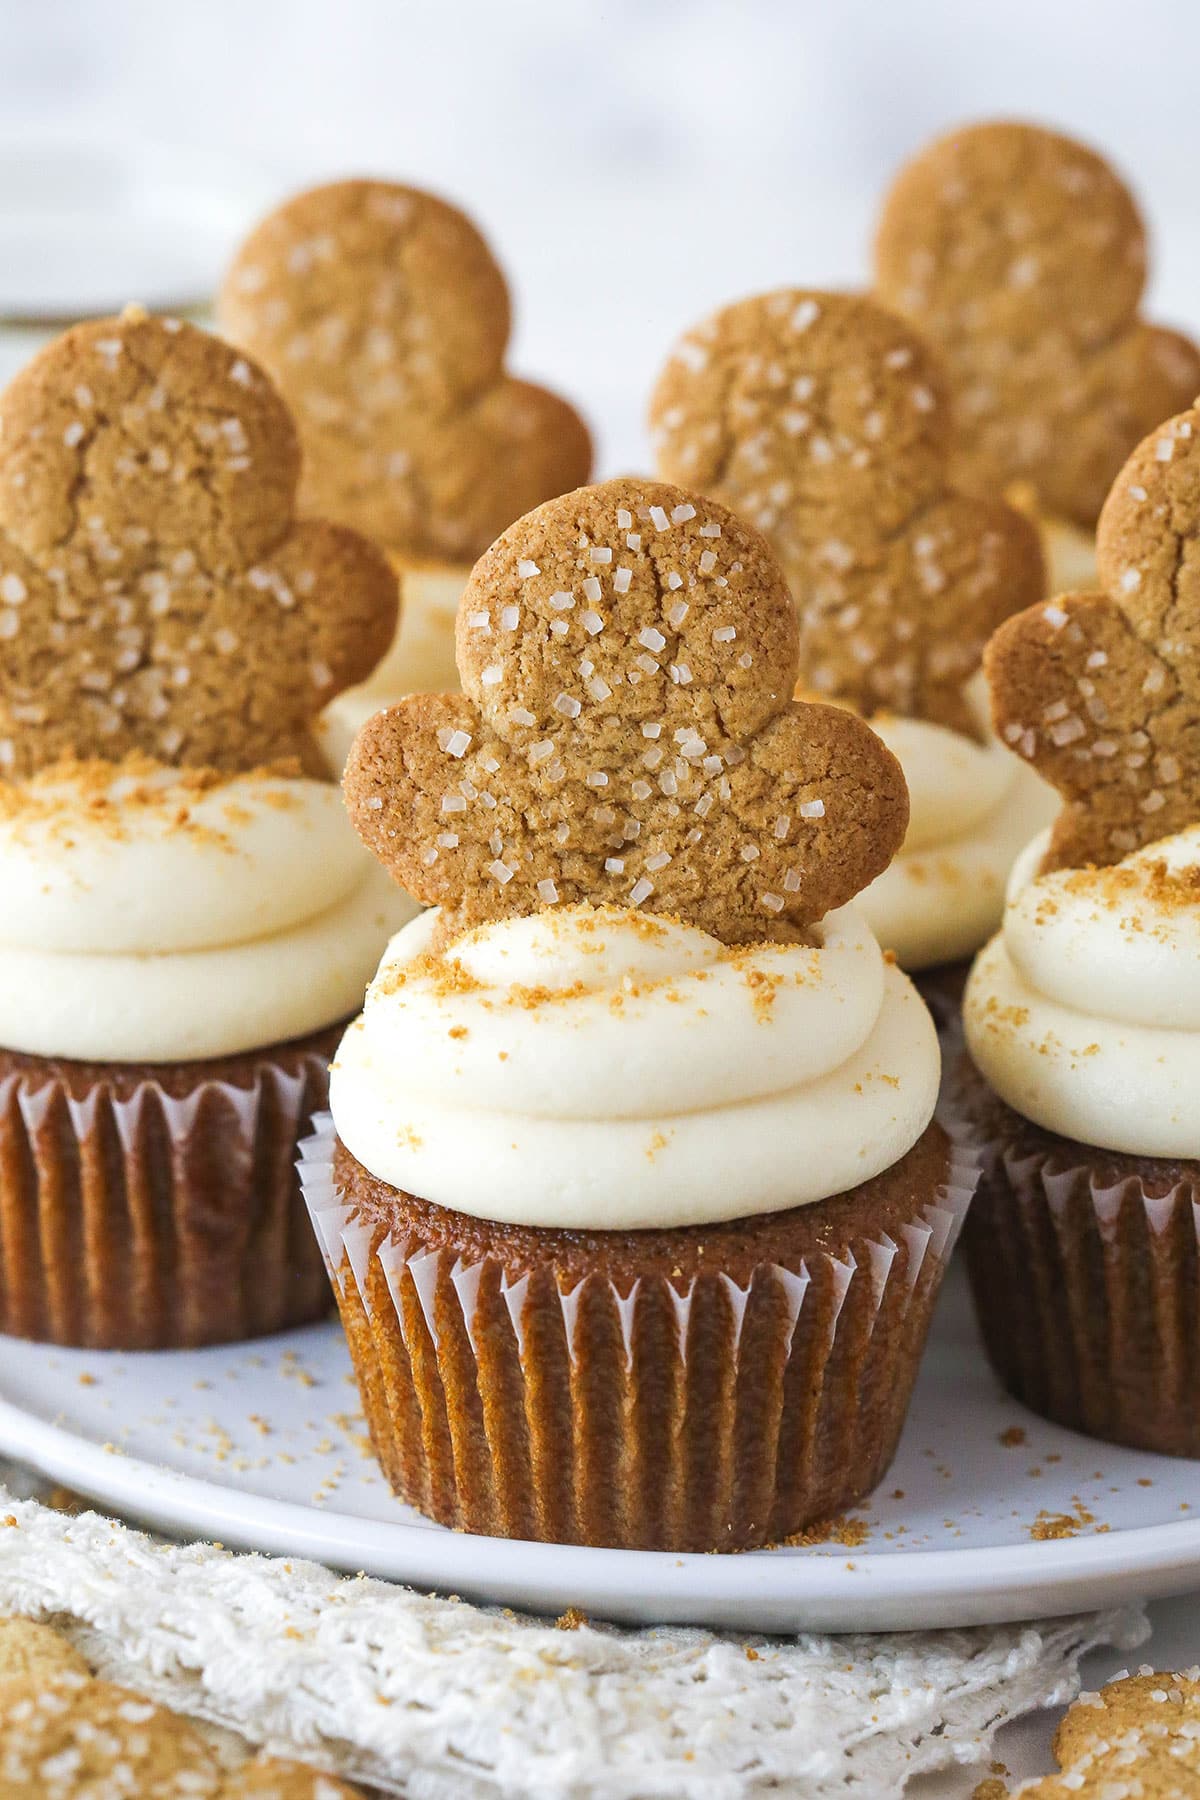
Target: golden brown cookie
point(627, 735)
point(383, 316)
point(1021, 255)
point(156, 594)
point(29, 1649)
point(822, 420)
point(76, 1739)
point(1137, 1739)
point(268, 1779)
point(1101, 692)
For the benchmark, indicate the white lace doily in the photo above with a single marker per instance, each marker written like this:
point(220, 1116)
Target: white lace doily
point(440, 1700)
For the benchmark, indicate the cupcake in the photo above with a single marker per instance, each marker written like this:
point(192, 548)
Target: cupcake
point(185, 914)
point(822, 420)
point(383, 317)
point(1020, 255)
point(1082, 1016)
point(632, 1195)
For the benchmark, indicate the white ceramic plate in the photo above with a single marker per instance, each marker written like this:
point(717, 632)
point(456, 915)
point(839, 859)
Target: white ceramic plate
point(261, 1447)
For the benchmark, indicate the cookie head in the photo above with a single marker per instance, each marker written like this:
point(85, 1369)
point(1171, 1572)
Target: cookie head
point(1021, 254)
point(822, 420)
point(157, 594)
point(1101, 692)
point(384, 318)
point(627, 734)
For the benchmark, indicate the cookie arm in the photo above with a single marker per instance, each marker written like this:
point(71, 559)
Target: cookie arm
point(413, 786)
point(1077, 694)
point(343, 595)
point(843, 797)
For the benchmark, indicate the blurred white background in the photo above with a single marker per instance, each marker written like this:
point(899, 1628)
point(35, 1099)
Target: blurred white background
point(634, 162)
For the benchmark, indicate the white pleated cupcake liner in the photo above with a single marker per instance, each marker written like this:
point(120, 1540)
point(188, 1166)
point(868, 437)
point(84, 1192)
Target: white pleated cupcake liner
point(1088, 1294)
point(344, 1240)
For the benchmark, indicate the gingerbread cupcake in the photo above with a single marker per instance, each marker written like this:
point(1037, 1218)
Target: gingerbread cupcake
point(1083, 1015)
point(1020, 255)
point(185, 914)
point(384, 318)
point(632, 1194)
point(823, 420)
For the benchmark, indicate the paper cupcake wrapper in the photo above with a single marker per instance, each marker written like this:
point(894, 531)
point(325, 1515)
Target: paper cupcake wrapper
point(1088, 1296)
point(135, 1219)
point(714, 1413)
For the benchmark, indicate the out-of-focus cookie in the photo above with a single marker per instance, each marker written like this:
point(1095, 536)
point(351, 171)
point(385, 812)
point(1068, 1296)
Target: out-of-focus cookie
point(157, 595)
point(823, 420)
point(628, 735)
point(384, 318)
point(72, 1738)
point(1137, 1739)
point(1021, 256)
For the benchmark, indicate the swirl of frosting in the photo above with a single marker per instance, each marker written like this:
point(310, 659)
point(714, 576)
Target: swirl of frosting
point(154, 915)
point(974, 806)
point(1084, 1012)
point(601, 1069)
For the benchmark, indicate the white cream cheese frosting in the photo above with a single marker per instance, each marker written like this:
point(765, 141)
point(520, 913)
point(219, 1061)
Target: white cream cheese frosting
point(1084, 1011)
point(601, 1069)
point(157, 915)
point(974, 806)
point(420, 661)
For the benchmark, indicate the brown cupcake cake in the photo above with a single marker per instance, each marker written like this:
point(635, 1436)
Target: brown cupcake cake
point(383, 316)
point(632, 1192)
point(1083, 1015)
point(824, 421)
point(1021, 256)
point(184, 912)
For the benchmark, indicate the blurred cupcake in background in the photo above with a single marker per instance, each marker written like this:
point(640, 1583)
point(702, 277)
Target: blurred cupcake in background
point(1020, 255)
point(823, 420)
point(633, 1194)
point(185, 914)
point(383, 317)
point(1082, 1016)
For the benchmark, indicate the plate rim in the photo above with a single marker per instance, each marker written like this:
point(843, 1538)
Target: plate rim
point(939, 1586)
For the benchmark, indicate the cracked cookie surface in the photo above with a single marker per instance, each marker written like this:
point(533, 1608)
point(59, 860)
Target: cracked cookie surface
point(157, 595)
point(627, 734)
point(1101, 692)
point(1021, 255)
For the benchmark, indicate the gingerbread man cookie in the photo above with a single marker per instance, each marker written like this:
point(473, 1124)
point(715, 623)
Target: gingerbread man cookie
point(383, 316)
point(822, 420)
point(627, 734)
point(1021, 256)
point(71, 1737)
point(28, 1649)
point(67, 1736)
point(157, 596)
point(1138, 1737)
point(1101, 692)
